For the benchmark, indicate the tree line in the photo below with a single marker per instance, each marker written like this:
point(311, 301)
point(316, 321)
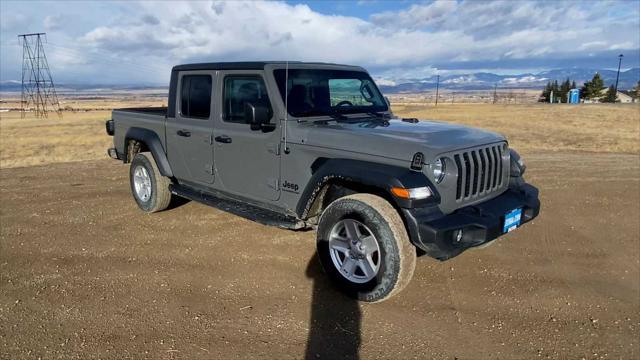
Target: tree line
point(589, 91)
point(560, 91)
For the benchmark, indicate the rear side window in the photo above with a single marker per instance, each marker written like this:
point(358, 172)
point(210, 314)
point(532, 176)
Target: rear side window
point(240, 90)
point(195, 96)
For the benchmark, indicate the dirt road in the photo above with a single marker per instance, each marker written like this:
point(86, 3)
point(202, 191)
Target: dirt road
point(85, 274)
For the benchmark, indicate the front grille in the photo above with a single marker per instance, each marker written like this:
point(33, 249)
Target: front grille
point(479, 172)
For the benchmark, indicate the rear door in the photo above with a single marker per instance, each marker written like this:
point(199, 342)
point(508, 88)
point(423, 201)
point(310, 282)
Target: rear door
point(247, 161)
point(189, 134)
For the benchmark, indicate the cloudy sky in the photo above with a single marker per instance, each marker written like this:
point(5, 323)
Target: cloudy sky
point(133, 42)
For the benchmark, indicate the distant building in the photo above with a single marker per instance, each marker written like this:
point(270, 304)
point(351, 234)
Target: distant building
point(622, 97)
point(633, 94)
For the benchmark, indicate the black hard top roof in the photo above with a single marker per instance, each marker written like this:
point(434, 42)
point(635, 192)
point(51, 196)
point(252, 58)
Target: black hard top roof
point(243, 65)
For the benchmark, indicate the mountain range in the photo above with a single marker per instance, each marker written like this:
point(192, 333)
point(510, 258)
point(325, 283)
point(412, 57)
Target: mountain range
point(484, 80)
point(470, 81)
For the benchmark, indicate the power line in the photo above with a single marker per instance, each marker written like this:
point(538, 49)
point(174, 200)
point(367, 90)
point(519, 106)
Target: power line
point(618, 74)
point(38, 90)
point(495, 92)
point(437, 86)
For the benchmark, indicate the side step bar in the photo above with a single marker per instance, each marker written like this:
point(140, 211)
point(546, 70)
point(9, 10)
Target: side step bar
point(247, 211)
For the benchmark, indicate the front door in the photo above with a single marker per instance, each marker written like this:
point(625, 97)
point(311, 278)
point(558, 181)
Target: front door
point(189, 134)
point(247, 161)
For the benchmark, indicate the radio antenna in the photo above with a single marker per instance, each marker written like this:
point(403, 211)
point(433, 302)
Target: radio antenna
point(286, 105)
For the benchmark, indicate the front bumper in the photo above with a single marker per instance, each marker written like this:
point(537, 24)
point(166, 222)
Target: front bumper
point(434, 232)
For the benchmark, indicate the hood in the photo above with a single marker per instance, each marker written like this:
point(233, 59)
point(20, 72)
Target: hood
point(396, 138)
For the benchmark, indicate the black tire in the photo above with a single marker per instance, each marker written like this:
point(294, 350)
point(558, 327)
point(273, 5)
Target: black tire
point(397, 256)
point(160, 196)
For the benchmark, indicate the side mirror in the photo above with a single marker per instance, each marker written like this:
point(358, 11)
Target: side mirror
point(257, 117)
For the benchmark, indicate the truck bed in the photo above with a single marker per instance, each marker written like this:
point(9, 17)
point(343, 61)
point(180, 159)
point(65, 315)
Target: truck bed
point(148, 118)
point(146, 110)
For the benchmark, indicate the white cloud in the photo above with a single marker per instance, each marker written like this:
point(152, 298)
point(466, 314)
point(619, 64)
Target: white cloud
point(385, 82)
point(624, 45)
point(403, 44)
point(52, 22)
point(593, 45)
point(417, 16)
point(438, 31)
point(269, 30)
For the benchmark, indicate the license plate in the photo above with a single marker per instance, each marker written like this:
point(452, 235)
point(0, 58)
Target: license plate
point(512, 220)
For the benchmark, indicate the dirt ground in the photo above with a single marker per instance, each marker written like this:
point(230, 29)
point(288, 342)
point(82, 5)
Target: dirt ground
point(84, 274)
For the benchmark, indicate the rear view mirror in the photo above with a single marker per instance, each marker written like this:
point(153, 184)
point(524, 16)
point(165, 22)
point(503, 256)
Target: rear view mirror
point(258, 117)
point(366, 92)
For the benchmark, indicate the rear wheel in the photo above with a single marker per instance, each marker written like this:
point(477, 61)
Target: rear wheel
point(364, 248)
point(149, 188)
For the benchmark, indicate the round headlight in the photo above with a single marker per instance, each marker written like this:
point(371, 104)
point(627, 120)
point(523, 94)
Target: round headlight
point(438, 169)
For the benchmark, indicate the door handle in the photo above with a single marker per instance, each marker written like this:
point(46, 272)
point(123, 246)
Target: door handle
point(183, 133)
point(223, 139)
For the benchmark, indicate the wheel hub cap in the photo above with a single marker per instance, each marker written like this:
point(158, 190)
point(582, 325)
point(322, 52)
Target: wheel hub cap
point(354, 251)
point(142, 183)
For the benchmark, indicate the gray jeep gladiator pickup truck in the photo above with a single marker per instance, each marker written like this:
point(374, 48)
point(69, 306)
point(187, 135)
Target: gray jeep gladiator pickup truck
point(316, 146)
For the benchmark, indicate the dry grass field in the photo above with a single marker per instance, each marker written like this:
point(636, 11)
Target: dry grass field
point(76, 136)
point(79, 135)
point(598, 128)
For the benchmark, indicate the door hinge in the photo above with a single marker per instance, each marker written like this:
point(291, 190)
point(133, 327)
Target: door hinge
point(209, 169)
point(210, 139)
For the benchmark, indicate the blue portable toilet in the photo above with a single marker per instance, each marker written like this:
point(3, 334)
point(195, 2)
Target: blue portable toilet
point(574, 96)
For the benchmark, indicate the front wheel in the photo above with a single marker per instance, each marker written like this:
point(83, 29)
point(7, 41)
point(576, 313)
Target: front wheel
point(364, 247)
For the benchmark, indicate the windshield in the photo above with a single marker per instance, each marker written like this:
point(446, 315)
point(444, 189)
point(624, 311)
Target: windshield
point(313, 92)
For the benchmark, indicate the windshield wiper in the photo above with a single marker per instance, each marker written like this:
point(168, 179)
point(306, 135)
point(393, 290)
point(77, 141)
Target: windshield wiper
point(379, 115)
point(338, 115)
point(333, 115)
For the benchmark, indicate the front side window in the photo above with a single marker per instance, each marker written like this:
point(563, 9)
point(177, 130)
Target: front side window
point(240, 90)
point(326, 92)
point(195, 96)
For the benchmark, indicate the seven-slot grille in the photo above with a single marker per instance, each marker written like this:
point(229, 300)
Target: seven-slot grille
point(479, 171)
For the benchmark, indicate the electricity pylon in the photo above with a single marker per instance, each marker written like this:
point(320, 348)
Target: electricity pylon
point(38, 90)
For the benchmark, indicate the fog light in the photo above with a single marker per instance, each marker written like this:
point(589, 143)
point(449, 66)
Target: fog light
point(457, 235)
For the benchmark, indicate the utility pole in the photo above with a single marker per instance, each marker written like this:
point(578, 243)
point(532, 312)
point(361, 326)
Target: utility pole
point(618, 75)
point(495, 92)
point(38, 90)
point(437, 86)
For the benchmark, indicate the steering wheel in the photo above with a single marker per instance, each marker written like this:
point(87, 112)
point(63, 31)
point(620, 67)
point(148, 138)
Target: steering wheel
point(344, 102)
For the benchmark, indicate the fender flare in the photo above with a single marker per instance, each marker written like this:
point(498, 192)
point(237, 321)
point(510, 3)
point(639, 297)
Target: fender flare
point(152, 140)
point(380, 176)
